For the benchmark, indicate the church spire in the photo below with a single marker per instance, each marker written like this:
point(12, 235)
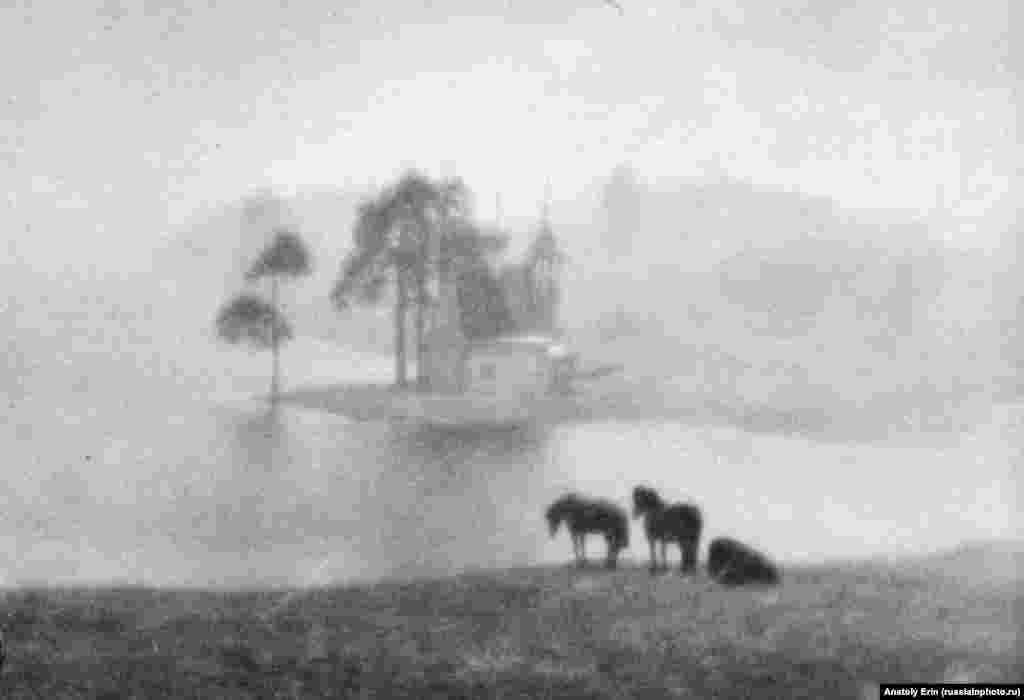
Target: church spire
point(545, 209)
point(542, 264)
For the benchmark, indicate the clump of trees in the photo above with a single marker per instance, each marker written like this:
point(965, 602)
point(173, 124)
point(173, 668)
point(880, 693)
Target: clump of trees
point(412, 233)
point(531, 286)
point(483, 308)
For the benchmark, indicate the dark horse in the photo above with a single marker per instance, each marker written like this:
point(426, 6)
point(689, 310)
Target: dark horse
point(733, 563)
point(585, 516)
point(680, 523)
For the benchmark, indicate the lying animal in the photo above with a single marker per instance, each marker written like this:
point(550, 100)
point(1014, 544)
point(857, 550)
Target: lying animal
point(733, 563)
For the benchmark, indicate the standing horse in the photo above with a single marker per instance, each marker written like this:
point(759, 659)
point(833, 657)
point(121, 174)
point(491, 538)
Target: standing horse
point(585, 516)
point(680, 523)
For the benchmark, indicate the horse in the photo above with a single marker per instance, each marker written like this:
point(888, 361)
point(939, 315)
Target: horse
point(585, 516)
point(732, 563)
point(680, 523)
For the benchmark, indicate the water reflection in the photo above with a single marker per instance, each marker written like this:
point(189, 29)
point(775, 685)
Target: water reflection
point(346, 500)
point(261, 437)
point(239, 495)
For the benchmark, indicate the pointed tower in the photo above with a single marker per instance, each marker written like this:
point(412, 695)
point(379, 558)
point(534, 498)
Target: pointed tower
point(543, 268)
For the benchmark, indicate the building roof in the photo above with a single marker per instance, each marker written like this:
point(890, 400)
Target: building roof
point(540, 343)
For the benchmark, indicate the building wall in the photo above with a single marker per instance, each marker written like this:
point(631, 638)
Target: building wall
point(445, 342)
point(444, 361)
point(507, 372)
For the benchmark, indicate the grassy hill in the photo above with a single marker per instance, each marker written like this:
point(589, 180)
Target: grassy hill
point(829, 631)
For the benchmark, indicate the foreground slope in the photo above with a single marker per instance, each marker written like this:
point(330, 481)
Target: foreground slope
point(830, 631)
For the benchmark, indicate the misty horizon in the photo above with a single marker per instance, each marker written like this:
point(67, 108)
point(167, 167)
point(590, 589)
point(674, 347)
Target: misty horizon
point(794, 226)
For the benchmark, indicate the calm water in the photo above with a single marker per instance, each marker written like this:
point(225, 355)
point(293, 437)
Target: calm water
point(127, 480)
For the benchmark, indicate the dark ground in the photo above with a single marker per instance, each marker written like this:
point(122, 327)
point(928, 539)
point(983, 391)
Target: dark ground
point(831, 631)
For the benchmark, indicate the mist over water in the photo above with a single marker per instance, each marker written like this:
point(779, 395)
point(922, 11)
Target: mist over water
point(137, 481)
point(825, 377)
point(135, 452)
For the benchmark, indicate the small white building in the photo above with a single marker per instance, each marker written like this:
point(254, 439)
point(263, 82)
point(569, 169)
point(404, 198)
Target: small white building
point(502, 381)
point(515, 367)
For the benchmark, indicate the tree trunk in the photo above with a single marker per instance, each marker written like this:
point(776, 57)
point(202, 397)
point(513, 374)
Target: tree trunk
point(429, 241)
point(421, 350)
point(400, 305)
point(275, 344)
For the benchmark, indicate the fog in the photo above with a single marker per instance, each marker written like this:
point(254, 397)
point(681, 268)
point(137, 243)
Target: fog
point(796, 229)
point(790, 302)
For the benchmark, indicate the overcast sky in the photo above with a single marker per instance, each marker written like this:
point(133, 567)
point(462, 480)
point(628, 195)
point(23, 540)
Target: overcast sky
point(119, 119)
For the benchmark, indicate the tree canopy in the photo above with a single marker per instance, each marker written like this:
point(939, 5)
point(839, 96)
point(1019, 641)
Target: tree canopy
point(286, 256)
point(249, 318)
point(398, 236)
point(483, 309)
point(412, 232)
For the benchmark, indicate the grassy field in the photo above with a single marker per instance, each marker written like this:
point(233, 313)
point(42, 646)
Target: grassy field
point(827, 632)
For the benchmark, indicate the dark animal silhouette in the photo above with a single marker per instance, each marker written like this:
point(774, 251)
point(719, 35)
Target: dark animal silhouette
point(680, 523)
point(733, 563)
point(584, 516)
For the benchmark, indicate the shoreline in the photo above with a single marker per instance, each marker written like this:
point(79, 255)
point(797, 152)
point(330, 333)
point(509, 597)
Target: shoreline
point(376, 400)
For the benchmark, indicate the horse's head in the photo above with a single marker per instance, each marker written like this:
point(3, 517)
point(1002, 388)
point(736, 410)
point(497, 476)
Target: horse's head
point(554, 520)
point(645, 501)
point(559, 510)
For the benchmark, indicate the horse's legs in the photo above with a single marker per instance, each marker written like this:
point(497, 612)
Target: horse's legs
point(583, 547)
point(577, 548)
point(664, 555)
point(691, 556)
point(654, 555)
point(613, 553)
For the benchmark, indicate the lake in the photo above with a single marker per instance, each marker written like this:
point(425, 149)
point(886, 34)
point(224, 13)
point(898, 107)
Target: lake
point(166, 477)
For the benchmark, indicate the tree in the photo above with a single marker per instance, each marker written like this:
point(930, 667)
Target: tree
point(423, 209)
point(248, 316)
point(399, 236)
point(483, 310)
point(532, 286)
point(465, 248)
point(464, 262)
point(375, 260)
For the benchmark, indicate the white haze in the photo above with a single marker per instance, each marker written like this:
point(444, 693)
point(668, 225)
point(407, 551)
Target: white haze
point(813, 281)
